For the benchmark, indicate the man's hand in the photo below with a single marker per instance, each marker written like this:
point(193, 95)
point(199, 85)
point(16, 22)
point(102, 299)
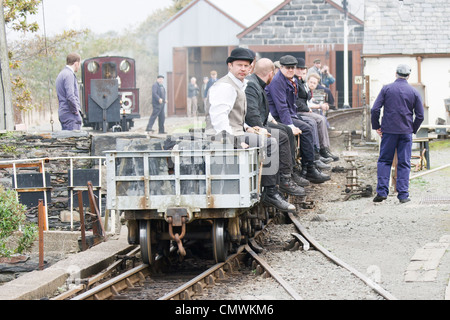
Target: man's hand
point(250, 130)
point(324, 106)
point(380, 133)
point(296, 131)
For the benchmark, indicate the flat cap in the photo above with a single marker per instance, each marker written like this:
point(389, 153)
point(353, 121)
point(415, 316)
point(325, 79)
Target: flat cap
point(241, 54)
point(288, 61)
point(316, 61)
point(403, 70)
point(301, 63)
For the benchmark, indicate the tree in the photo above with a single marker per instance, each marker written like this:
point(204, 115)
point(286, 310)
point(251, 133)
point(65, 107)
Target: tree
point(6, 110)
point(36, 62)
point(14, 13)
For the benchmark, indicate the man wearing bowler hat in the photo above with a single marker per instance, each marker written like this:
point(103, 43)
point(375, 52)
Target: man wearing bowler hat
point(226, 106)
point(281, 94)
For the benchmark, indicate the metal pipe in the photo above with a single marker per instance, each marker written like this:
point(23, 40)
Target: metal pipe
point(82, 224)
point(41, 234)
point(430, 171)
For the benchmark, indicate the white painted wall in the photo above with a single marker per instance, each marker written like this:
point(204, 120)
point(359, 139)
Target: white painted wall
point(435, 77)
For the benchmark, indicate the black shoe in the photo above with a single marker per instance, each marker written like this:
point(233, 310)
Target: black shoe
point(150, 130)
point(379, 198)
point(291, 188)
point(404, 200)
point(326, 160)
point(315, 176)
point(299, 180)
point(272, 197)
point(326, 153)
point(162, 132)
point(322, 166)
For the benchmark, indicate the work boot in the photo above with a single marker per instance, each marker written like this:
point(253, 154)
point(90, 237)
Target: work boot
point(290, 187)
point(315, 176)
point(299, 180)
point(326, 153)
point(322, 166)
point(404, 200)
point(326, 160)
point(271, 197)
point(318, 156)
point(379, 198)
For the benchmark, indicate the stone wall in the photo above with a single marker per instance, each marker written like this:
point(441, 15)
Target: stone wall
point(304, 22)
point(54, 146)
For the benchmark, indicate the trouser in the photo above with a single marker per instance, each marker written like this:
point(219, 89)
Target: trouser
point(284, 151)
point(70, 121)
point(312, 123)
point(158, 112)
point(389, 143)
point(271, 163)
point(322, 128)
point(290, 135)
point(192, 107)
point(306, 142)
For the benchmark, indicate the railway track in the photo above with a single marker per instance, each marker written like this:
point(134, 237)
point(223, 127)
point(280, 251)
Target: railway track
point(307, 237)
point(140, 283)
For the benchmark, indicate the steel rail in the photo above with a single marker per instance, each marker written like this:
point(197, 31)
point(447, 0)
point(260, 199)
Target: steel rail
point(374, 286)
point(115, 285)
point(129, 278)
point(86, 283)
point(273, 273)
point(207, 278)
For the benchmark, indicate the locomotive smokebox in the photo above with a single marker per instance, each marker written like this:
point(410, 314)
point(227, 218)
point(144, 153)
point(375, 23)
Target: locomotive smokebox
point(104, 102)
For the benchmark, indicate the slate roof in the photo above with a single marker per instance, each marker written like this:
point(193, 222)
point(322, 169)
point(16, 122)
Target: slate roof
point(406, 27)
point(249, 12)
point(246, 12)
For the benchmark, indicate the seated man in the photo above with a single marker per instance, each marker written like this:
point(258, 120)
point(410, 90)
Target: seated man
point(304, 106)
point(226, 105)
point(281, 94)
point(258, 115)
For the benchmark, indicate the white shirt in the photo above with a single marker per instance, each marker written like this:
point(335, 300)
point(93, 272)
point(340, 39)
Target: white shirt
point(222, 97)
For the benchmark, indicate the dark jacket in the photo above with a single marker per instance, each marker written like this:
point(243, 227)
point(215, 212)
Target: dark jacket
point(302, 97)
point(401, 103)
point(158, 92)
point(281, 96)
point(257, 104)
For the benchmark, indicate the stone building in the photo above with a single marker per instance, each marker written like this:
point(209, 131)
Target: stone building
point(200, 37)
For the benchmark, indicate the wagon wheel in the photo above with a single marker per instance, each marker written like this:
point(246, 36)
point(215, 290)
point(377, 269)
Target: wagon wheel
point(144, 241)
point(220, 242)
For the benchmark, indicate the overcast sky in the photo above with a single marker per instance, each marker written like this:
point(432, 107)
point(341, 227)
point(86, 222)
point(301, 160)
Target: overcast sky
point(98, 15)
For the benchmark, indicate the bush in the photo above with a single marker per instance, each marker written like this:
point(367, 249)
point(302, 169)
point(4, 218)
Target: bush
point(12, 217)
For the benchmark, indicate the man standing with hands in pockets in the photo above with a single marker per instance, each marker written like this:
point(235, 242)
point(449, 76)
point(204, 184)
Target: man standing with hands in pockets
point(403, 115)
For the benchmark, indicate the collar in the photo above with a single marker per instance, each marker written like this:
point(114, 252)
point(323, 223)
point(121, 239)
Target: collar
point(260, 81)
point(241, 84)
point(70, 67)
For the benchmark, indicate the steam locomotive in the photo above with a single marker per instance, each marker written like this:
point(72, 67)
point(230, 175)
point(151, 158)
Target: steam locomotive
point(110, 99)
